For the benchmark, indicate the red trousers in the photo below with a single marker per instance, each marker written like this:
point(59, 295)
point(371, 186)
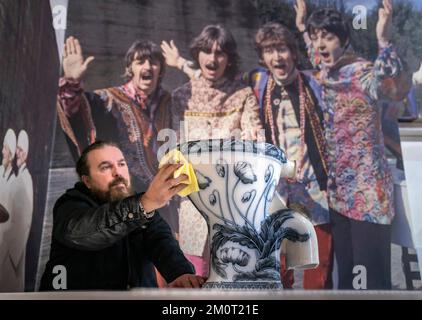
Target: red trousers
point(320, 277)
point(161, 282)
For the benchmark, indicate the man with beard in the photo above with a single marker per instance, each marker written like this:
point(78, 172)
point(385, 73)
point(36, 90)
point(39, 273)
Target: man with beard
point(106, 236)
point(212, 106)
point(130, 115)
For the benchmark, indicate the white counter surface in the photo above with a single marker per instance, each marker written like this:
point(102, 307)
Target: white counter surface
point(207, 294)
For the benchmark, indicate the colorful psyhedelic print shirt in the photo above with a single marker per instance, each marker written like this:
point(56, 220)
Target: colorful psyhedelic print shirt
point(360, 184)
point(305, 190)
point(209, 110)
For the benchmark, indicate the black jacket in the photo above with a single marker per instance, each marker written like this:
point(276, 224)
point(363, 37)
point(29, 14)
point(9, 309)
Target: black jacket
point(110, 245)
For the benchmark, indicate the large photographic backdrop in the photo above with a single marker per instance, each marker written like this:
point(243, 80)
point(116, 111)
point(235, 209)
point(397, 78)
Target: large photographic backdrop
point(28, 85)
point(36, 164)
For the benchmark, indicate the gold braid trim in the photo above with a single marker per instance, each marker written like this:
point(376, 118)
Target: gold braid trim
point(211, 114)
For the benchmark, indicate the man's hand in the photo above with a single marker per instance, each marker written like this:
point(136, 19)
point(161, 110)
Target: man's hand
point(385, 21)
point(417, 77)
point(163, 187)
point(74, 66)
point(300, 8)
point(187, 281)
point(171, 54)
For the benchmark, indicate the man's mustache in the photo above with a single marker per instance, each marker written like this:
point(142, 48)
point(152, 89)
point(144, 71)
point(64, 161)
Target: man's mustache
point(212, 65)
point(117, 181)
point(146, 74)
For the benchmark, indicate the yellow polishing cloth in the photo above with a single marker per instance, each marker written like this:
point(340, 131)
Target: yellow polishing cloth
point(175, 156)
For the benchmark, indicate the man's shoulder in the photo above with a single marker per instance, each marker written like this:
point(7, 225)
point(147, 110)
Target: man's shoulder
point(103, 91)
point(164, 93)
point(165, 96)
point(255, 76)
point(355, 65)
point(310, 76)
point(183, 90)
point(241, 88)
point(79, 193)
point(113, 93)
point(98, 96)
point(260, 71)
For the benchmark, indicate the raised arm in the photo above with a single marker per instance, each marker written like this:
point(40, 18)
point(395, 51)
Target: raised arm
point(387, 74)
point(81, 226)
point(74, 106)
point(301, 16)
point(384, 24)
point(74, 68)
point(175, 60)
point(74, 64)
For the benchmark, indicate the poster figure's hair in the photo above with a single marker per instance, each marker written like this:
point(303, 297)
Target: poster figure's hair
point(144, 49)
point(82, 167)
point(274, 35)
point(224, 38)
point(330, 20)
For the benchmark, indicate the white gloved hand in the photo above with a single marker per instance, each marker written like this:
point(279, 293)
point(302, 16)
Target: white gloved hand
point(417, 77)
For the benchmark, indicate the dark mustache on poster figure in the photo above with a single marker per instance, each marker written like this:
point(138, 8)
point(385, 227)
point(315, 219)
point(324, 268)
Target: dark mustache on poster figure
point(279, 65)
point(212, 66)
point(146, 75)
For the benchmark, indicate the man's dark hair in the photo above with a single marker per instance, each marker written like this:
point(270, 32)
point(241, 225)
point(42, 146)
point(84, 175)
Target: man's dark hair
point(330, 20)
point(273, 35)
point(144, 49)
point(82, 167)
point(224, 38)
